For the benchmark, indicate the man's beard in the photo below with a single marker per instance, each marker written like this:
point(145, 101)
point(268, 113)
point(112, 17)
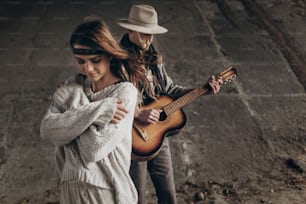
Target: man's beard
point(146, 45)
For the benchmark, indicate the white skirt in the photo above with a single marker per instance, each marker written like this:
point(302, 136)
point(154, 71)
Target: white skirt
point(77, 192)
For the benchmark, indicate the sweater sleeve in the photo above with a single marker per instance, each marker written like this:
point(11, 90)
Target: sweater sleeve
point(70, 114)
point(98, 141)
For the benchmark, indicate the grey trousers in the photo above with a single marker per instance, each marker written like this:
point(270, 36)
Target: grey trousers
point(161, 173)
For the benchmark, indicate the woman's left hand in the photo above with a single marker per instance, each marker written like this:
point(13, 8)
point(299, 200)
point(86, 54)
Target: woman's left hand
point(119, 113)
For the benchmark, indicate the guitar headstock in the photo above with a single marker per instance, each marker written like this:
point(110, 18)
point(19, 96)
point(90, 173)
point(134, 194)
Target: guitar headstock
point(227, 75)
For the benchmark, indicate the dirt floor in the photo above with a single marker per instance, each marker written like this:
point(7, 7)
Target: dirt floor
point(280, 168)
point(246, 145)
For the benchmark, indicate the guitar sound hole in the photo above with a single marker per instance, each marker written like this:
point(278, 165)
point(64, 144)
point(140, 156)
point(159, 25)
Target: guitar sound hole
point(162, 116)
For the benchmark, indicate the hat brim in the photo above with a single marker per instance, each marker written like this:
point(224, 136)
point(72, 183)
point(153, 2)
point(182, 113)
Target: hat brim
point(142, 29)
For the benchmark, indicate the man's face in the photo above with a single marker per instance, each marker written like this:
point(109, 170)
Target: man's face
point(141, 39)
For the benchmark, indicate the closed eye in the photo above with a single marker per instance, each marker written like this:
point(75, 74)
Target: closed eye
point(96, 60)
point(80, 61)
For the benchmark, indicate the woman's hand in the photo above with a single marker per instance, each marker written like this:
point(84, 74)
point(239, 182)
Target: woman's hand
point(214, 84)
point(148, 115)
point(120, 112)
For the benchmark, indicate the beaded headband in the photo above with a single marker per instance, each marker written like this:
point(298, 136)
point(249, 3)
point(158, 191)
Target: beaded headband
point(79, 51)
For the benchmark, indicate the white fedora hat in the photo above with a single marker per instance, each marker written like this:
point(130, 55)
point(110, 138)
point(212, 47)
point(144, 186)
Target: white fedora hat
point(142, 18)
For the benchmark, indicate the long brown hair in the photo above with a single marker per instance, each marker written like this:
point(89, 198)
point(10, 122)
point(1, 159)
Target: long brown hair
point(94, 33)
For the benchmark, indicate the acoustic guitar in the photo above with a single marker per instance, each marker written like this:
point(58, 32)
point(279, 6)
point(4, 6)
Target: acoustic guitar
point(148, 138)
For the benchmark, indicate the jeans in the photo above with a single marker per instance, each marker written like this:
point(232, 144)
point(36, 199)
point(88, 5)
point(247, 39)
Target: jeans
point(161, 173)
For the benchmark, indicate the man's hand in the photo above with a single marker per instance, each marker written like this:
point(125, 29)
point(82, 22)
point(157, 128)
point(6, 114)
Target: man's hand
point(148, 116)
point(119, 113)
point(214, 84)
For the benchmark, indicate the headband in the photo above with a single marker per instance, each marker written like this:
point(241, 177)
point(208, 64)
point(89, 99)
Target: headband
point(82, 51)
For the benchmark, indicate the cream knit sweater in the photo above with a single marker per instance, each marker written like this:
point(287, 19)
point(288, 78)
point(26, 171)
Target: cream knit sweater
point(89, 147)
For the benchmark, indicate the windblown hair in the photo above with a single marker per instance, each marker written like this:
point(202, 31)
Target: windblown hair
point(145, 59)
point(94, 33)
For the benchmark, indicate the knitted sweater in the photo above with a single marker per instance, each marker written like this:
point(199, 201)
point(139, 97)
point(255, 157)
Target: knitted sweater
point(89, 147)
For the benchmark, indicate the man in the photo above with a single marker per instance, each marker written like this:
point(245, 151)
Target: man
point(142, 25)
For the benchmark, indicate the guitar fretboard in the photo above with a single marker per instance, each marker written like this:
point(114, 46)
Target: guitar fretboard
point(184, 100)
point(226, 76)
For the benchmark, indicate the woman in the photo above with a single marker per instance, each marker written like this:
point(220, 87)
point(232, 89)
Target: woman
point(90, 120)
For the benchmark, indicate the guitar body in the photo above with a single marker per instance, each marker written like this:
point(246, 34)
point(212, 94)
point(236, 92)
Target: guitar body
point(145, 149)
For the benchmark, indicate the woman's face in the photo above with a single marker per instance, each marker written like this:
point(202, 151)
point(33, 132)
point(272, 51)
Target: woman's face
point(95, 67)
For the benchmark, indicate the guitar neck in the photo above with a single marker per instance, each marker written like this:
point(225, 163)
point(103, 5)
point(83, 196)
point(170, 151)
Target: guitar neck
point(226, 76)
point(184, 100)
